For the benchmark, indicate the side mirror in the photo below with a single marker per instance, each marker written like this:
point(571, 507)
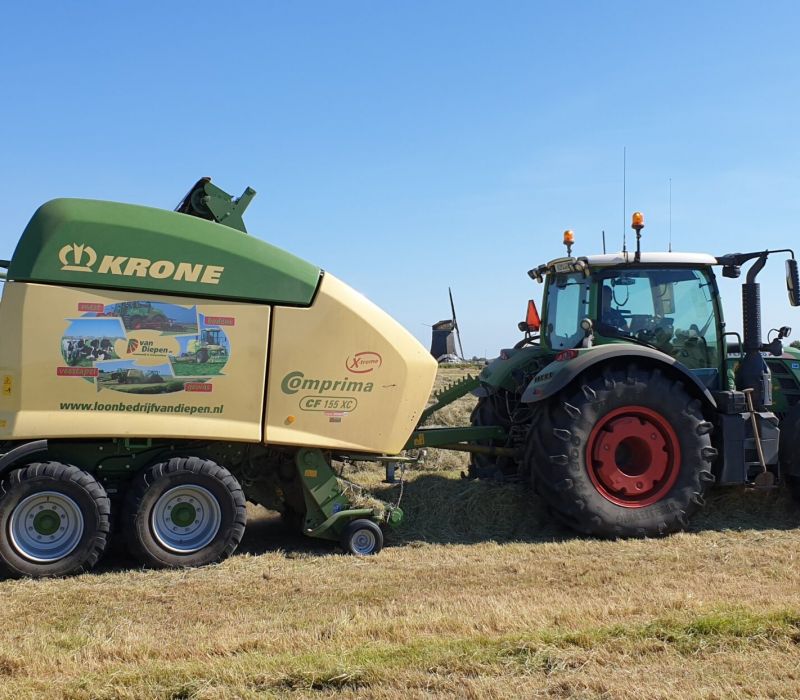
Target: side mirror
point(532, 319)
point(793, 282)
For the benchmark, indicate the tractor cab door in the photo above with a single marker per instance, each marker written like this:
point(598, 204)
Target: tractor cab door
point(675, 310)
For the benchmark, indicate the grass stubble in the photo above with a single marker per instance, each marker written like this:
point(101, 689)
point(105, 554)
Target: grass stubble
point(479, 595)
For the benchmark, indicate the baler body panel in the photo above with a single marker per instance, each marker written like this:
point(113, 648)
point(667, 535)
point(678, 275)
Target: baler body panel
point(109, 245)
point(344, 375)
point(77, 362)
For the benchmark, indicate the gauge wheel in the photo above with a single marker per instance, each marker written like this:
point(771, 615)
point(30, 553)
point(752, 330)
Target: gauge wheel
point(625, 454)
point(184, 512)
point(54, 521)
point(362, 537)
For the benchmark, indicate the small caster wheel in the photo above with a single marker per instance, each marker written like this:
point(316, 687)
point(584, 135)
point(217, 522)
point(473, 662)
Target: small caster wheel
point(362, 538)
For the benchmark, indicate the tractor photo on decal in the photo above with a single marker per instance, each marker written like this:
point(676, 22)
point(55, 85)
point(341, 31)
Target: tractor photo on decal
point(139, 315)
point(137, 376)
point(205, 353)
point(210, 347)
point(128, 377)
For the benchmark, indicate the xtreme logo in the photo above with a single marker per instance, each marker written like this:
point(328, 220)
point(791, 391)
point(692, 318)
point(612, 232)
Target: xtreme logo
point(76, 257)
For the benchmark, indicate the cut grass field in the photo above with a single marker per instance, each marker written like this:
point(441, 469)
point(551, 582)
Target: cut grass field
point(477, 595)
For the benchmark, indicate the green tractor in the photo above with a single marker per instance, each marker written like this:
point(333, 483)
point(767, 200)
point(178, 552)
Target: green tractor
point(635, 398)
point(142, 315)
point(209, 347)
point(137, 376)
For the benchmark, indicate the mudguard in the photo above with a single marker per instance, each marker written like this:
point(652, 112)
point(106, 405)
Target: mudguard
point(570, 363)
point(12, 458)
point(499, 373)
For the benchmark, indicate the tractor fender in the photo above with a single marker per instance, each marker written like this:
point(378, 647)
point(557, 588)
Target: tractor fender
point(556, 375)
point(500, 372)
point(10, 459)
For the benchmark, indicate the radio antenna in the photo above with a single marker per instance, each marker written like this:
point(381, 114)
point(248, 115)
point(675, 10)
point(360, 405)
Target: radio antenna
point(624, 204)
point(670, 215)
point(604, 241)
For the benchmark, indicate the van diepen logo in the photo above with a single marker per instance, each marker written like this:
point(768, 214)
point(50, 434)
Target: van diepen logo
point(77, 257)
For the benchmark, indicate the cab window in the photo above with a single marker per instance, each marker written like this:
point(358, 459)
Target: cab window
point(671, 309)
point(567, 305)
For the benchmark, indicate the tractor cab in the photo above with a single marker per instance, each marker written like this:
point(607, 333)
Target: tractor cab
point(665, 301)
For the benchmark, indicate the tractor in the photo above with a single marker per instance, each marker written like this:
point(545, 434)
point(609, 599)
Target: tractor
point(209, 347)
point(634, 398)
point(141, 315)
point(137, 376)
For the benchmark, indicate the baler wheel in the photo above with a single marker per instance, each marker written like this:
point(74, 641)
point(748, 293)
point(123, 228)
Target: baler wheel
point(54, 521)
point(362, 537)
point(185, 512)
point(622, 454)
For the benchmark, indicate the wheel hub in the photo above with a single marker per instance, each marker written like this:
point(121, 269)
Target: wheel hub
point(363, 541)
point(633, 456)
point(186, 518)
point(45, 527)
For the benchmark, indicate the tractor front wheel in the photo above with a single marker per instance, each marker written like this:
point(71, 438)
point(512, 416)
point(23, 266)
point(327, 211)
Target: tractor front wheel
point(789, 453)
point(622, 454)
point(494, 409)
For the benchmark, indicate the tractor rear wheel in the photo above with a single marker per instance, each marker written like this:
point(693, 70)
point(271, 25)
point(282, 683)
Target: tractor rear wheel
point(185, 512)
point(54, 521)
point(625, 454)
point(492, 410)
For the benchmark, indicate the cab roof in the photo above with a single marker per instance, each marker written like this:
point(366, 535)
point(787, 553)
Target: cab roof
point(655, 258)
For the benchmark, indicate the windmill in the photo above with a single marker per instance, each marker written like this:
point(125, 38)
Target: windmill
point(444, 336)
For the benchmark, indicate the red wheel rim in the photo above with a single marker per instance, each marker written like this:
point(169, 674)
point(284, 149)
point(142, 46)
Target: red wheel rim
point(633, 456)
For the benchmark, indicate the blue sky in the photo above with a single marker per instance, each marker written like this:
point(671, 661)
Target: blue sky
point(95, 328)
point(410, 146)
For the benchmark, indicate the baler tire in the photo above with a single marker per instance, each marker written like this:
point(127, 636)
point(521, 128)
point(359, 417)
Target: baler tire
point(362, 538)
point(203, 490)
point(486, 413)
point(622, 454)
point(79, 509)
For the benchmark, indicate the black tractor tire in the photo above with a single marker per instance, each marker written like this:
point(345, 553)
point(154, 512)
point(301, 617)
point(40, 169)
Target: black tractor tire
point(202, 356)
point(789, 451)
point(491, 410)
point(362, 538)
point(183, 513)
point(625, 453)
point(54, 521)
point(793, 484)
